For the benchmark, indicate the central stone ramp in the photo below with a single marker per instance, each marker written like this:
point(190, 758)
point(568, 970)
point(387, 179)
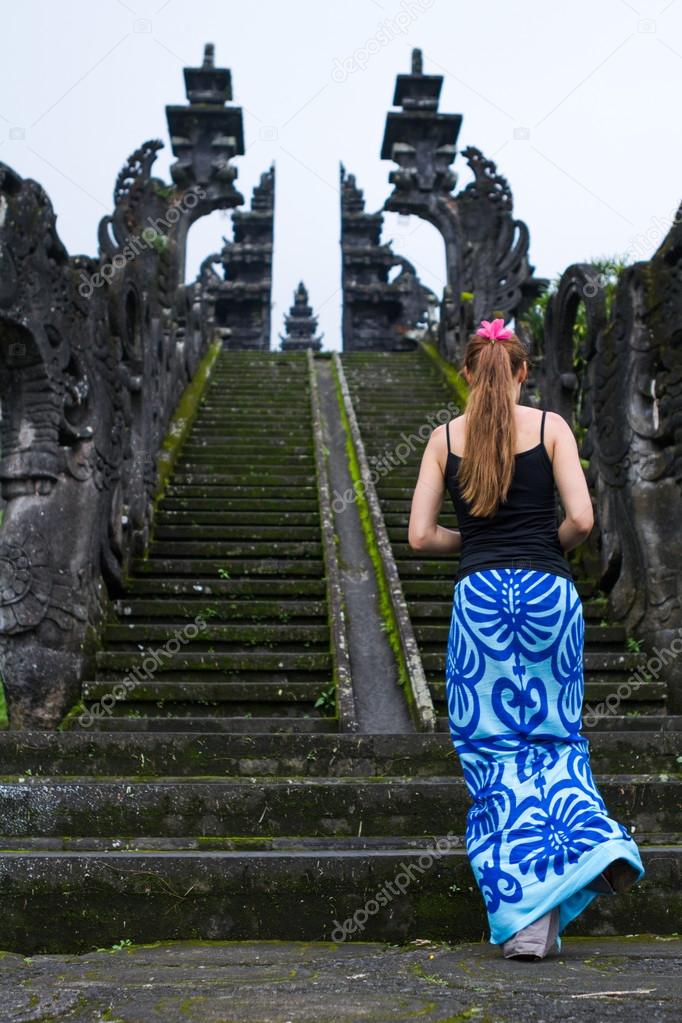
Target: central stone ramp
point(237, 541)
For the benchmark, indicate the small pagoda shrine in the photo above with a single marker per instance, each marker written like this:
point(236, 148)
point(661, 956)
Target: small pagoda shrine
point(300, 324)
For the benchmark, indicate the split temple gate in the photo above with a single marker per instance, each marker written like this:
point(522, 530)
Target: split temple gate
point(222, 665)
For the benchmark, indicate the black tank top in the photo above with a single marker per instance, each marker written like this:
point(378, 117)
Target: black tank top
point(523, 533)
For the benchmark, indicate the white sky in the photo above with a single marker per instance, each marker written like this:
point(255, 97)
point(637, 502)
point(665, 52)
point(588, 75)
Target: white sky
point(596, 84)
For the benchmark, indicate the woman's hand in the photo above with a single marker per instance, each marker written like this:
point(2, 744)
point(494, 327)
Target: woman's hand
point(424, 533)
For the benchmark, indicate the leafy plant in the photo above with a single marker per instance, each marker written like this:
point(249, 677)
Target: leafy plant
point(327, 699)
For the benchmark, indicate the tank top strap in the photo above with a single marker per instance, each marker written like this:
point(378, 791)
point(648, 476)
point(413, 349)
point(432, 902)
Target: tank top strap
point(447, 434)
point(542, 427)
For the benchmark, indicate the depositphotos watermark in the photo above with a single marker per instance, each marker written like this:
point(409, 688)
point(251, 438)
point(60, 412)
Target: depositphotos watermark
point(392, 889)
point(121, 689)
point(391, 458)
point(389, 28)
point(148, 238)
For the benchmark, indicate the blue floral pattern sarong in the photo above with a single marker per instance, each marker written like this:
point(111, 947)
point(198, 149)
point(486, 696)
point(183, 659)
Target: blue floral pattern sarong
point(538, 830)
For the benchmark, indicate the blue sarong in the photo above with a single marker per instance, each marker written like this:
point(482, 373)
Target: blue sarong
point(538, 830)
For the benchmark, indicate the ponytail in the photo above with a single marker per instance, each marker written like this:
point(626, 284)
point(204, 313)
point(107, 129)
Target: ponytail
point(487, 465)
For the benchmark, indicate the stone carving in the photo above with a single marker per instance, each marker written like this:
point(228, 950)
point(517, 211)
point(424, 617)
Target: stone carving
point(486, 249)
point(378, 313)
point(240, 300)
point(621, 387)
point(94, 354)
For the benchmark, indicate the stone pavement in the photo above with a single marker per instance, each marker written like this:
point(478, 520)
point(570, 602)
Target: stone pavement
point(627, 978)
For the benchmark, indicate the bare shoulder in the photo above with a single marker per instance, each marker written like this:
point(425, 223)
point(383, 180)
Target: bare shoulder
point(438, 441)
point(452, 425)
point(559, 437)
point(556, 426)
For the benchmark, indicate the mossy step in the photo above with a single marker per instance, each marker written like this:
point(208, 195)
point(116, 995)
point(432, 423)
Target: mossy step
point(207, 590)
point(224, 457)
point(222, 495)
point(224, 468)
point(246, 531)
point(282, 676)
point(214, 432)
point(176, 712)
point(244, 506)
point(425, 565)
point(79, 754)
point(291, 477)
point(206, 567)
point(294, 411)
point(208, 723)
point(215, 691)
point(169, 610)
point(210, 440)
point(236, 549)
point(296, 422)
point(257, 519)
point(262, 632)
point(403, 552)
point(233, 660)
point(288, 806)
point(241, 414)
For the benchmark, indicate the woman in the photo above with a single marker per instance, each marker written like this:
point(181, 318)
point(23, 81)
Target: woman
point(538, 835)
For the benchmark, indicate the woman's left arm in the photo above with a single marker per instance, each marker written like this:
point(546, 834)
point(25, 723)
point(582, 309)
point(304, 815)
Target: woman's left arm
point(424, 533)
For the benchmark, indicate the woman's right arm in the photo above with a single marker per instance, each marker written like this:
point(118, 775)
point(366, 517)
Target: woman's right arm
point(571, 483)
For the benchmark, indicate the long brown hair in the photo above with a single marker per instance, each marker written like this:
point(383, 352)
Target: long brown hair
point(487, 464)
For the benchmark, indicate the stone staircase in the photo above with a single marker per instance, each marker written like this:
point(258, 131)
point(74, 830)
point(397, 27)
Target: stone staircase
point(217, 799)
point(237, 546)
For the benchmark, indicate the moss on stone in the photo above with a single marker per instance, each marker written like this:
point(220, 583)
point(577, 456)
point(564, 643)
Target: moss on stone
point(182, 418)
point(390, 625)
point(454, 379)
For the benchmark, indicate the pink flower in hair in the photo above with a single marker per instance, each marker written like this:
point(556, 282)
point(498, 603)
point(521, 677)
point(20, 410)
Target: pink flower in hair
point(495, 330)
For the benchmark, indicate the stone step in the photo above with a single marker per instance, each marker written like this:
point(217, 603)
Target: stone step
point(207, 567)
point(240, 424)
point(235, 660)
point(632, 748)
point(252, 586)
point(226, 460)
point(206, 723)
point(288, 806)
point(212, 439)
point(284, 478)
point(224, 493)
point(304, 894)
point(267, 634)
point(275, 611)
point(258, 519)
point(244, 506)
point(230, 688)
point(247, 531)
point(234, 550)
